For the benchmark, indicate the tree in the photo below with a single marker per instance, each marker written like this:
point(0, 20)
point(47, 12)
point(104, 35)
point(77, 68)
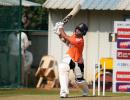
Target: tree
point(38, 16)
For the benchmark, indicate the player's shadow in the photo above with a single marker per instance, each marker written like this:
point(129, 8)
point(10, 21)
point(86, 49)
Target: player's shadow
point(86, 96)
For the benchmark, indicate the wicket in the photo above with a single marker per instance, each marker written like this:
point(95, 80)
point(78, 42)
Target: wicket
point(96, 70)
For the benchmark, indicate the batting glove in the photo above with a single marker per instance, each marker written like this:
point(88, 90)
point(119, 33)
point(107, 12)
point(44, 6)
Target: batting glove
point(57, 26)
point(60, 24)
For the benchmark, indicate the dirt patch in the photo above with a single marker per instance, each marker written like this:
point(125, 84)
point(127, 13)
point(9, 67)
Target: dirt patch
point(56, 97)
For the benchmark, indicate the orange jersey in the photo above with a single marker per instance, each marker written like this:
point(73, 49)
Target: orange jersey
point(75, 48)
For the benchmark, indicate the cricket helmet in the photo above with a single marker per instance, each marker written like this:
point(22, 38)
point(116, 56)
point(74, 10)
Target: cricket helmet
point(83, 28)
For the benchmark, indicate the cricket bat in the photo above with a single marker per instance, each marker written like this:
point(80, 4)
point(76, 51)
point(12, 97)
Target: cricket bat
point(74, 11)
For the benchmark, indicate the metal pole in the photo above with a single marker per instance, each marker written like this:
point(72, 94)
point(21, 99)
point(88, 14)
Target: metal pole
point(19, 30)
point(104, 71)
point(94, 79)
point(99, 79)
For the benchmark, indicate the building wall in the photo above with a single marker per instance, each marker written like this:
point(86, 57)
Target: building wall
point(39, 47)
point(100, 24)
point(98, 45)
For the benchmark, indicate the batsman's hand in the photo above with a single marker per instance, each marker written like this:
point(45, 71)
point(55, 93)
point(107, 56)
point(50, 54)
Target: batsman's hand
point(57, 26)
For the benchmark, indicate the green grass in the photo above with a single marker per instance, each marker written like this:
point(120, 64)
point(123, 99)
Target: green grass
point(27, 91)
point(34, 91)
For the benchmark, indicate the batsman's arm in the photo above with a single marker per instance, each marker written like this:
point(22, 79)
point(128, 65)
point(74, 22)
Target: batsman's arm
point(63, 34)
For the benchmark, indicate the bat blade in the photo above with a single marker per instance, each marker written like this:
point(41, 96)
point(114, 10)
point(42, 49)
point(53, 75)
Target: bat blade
point(74, 11)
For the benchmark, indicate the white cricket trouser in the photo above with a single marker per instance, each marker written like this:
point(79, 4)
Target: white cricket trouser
point(64, 69)
point(64, 75)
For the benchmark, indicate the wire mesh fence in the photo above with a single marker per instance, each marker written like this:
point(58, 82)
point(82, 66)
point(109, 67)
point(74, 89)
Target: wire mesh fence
point(15, 18)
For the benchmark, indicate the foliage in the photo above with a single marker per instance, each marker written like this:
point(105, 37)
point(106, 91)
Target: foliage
point(38, 16)
point(8, 15)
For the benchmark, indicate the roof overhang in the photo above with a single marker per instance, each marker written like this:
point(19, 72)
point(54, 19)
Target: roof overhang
point(89, 4)
point(17, 3)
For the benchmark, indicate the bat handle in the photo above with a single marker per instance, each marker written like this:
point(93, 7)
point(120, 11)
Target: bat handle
point(66, 19)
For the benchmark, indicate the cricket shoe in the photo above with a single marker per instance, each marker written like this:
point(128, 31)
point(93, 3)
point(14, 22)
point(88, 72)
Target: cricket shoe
point(64, 95)
point(85, 92)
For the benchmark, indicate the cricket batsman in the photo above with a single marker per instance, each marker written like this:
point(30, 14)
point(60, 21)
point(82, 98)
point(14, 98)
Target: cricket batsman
point(73, 58)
